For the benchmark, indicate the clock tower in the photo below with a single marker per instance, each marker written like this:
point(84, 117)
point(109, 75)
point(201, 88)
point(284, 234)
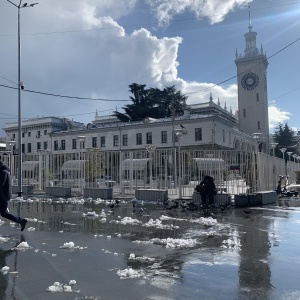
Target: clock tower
point(252, 89)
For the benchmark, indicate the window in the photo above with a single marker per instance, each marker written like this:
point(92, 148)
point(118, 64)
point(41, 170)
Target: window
point(29, 133)
point(74, 143)
point(244, 113)
point(38, 145)
point(223, 133)
point(45, 145)
point(38, 134)
point(102, 141)
point(125, 140)
point(164, 137)
point(23, 148)
point(149, 138)
point(258, 125)
point(45, 132)
point(198, 134)
point(55, 145)
point(94, 142)
point(23, 134)
point(14, 136)
point(139, 139)
point(257, 97)
point(63, 145)
point(29, 147)
point(116, 140)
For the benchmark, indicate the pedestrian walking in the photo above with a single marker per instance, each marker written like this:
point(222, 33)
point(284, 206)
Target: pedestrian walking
point(5, 196)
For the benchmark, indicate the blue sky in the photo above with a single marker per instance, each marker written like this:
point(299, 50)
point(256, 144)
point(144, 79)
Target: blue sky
point(96, 48)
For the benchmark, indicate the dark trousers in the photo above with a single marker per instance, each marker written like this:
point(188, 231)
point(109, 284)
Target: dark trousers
point(5, 214)
point(210, 196)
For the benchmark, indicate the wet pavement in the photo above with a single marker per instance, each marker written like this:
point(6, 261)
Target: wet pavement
point(79, 249)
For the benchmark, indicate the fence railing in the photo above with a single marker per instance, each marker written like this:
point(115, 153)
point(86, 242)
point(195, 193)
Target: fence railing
point(235, 172)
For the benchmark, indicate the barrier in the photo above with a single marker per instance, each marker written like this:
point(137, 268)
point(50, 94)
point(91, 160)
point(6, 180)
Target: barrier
point(151, 194)
point(26, 189)
point(255, 199)
point(103, 193)
point(219, 199)
point(58, 191)
point(263, 198)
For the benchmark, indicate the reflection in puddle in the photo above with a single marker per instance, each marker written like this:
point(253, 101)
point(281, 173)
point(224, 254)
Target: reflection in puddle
point(171, 251)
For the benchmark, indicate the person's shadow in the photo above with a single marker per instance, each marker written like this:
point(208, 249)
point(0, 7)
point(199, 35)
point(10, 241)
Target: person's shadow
point(4, 276)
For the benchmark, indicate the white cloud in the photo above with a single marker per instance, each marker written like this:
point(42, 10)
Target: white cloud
point(100, 62)
point(276, 115)
point(214, 10)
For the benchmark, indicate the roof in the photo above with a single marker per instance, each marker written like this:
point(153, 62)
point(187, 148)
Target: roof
point(29, 165)
point(72, 165)
point(135, 163)
point(210, 163)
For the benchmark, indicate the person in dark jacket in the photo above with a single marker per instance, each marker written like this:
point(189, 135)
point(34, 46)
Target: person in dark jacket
point(5, 196)
point(207, 188)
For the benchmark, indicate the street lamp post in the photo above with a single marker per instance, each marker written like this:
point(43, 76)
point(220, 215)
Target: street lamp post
point(179, 133)
point(151, 149)
point(273, 146)
point(20, 87)
point(288, 166)
point(289, 154)
point(81, 139)
point(11, 159)
point(283, 151)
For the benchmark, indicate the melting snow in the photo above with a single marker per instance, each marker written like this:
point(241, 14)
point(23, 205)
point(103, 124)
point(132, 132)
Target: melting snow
point(129, 273)
point(62, 288)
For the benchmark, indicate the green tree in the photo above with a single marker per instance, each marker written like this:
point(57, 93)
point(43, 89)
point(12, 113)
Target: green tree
point(153, 103)
point(94, 164)
point(286, 138)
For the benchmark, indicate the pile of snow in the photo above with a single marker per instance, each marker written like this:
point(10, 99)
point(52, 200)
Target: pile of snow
point(71, 245)
point(62, 288)
point(5, 270)
point(127, 220)
point(23, 245)
point(4, 239)
point(205, 221)
point(175, 243)
point(129, 273)
point(102, 214)
point(90, 214)
point(158, 224)
point(166, 218)
point(140, 258)
point(211, 233)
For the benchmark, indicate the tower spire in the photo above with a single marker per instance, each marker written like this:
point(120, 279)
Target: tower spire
point(250, 26)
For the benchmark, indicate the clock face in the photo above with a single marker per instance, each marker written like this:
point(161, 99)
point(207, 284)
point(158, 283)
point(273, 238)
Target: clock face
point(250, 81)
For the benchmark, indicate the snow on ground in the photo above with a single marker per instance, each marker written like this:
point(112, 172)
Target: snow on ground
point(71, 245)
point(57, 287)
point(130, 273)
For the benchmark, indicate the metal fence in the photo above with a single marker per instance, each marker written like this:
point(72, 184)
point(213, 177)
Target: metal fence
point(235, 172)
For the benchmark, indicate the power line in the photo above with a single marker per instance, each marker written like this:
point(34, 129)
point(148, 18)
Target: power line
point(144, 24)
point(66, 96)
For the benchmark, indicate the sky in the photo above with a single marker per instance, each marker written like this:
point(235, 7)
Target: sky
point(94, 49)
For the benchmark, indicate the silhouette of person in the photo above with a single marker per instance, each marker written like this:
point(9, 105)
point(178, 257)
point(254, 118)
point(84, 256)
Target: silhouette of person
point(208, 189)
point(6, 194)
